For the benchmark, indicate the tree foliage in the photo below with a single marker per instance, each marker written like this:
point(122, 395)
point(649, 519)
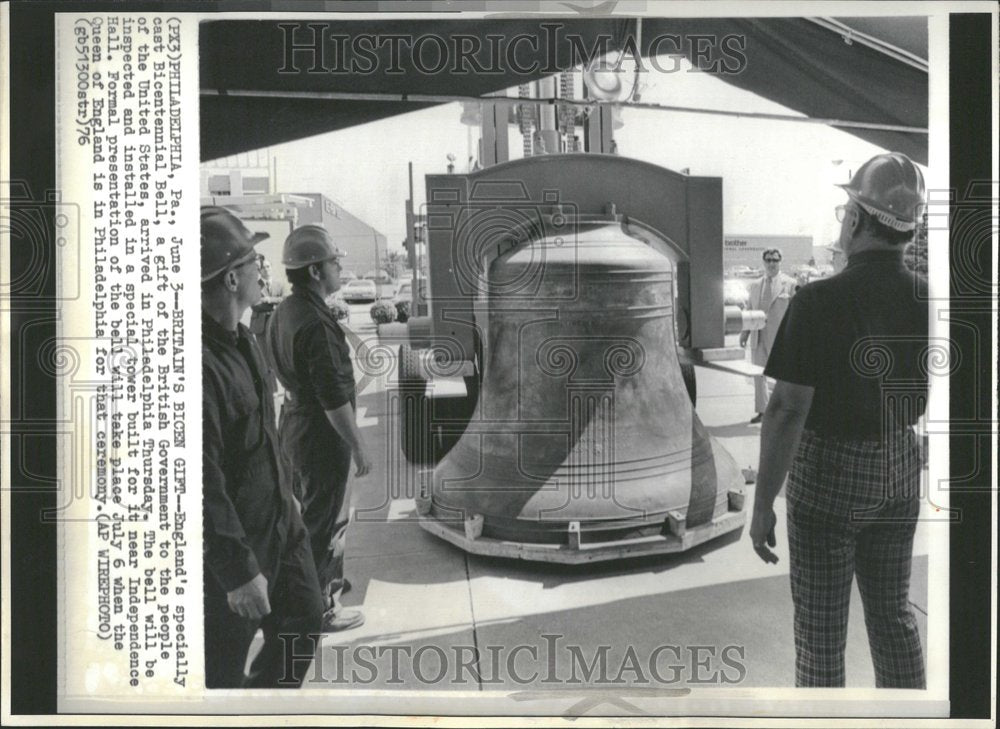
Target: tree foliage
point(383, 312)
point(394, 262)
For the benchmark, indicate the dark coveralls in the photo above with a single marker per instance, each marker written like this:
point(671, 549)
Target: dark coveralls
point(251, 524)
point(313, 363)
point(859, 338)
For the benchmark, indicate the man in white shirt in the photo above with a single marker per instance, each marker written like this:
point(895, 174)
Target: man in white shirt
point(771, 295)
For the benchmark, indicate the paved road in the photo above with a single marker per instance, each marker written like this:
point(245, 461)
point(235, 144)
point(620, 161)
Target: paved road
point(715, 614)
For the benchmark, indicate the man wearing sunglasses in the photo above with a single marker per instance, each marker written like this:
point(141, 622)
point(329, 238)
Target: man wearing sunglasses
point(771, 295)
point(850, 366)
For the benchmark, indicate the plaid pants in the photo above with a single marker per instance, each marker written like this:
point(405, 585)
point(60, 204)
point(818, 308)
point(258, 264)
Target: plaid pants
point(852, 511)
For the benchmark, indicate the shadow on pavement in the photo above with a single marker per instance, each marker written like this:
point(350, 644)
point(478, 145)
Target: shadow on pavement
point(735, 430)
point(736, 634)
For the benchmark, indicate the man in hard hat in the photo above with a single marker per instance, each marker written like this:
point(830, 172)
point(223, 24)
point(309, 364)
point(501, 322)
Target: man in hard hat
point(259, 571)
point(319, 434)
point(851, 383)
point(769, 294)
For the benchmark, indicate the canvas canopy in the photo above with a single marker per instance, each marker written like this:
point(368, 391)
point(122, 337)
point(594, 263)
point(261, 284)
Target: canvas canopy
point(268, 82)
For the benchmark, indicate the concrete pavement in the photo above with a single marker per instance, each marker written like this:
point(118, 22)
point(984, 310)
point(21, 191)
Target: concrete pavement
point(438, 619)
point(440, 622)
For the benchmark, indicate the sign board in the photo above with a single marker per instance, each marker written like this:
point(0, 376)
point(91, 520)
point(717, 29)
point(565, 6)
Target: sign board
point(747, 250)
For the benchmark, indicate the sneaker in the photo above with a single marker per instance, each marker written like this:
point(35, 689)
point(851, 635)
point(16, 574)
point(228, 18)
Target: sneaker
point(756, 418)
point(335, 620)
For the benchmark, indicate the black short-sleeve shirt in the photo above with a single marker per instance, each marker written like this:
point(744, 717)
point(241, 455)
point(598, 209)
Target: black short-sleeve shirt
point(860, 338)
point(311, 357)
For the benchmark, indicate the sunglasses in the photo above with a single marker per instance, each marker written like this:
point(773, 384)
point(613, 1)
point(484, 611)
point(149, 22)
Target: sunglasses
point(772, 260)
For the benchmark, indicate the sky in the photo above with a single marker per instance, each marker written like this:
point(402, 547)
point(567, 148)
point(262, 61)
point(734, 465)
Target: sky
point(778, 177)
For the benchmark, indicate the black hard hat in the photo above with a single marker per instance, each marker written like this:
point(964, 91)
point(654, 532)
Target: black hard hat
point(225, 241)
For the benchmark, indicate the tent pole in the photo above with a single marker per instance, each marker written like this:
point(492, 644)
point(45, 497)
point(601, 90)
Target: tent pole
point(504, 101)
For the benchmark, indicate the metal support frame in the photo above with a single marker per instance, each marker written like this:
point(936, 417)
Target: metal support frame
point(684, 211)
point(493, 145)
point(598, 130)
point(469, 538)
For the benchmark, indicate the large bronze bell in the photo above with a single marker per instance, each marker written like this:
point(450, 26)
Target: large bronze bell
point(584, 444)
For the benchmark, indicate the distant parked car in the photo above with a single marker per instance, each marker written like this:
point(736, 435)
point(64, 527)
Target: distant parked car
point(385, 286)
point(404, 297)
point(744, 272)
point(360, 291)
point(405, 290)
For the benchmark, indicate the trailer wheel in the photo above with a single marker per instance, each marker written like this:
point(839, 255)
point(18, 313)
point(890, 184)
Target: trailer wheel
point(415, 435)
